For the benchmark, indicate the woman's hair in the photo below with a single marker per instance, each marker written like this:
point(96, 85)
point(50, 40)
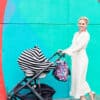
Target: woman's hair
point(84, 18)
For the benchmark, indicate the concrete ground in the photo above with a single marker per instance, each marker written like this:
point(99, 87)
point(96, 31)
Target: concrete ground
point(87, 98)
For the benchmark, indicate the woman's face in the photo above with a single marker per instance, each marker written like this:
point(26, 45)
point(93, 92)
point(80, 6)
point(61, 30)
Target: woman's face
point(82, 25)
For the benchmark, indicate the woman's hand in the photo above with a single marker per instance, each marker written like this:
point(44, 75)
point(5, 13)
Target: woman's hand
point(59, 51)
point(67, 52)
point(64, 52)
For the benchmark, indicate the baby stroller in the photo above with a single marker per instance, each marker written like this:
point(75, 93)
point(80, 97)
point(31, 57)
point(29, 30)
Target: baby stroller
point(35, 65)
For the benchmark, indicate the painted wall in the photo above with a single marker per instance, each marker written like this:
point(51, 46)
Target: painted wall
point(2, 85)
point(49, 24)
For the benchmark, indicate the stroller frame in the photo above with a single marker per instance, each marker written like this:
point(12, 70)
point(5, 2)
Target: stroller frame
point(13, 93)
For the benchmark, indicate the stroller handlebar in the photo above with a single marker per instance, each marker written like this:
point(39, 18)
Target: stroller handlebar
point(59, 53)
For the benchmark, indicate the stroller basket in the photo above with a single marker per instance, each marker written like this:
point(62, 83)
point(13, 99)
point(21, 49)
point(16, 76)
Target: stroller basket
point(33, 63)
point(26, 94)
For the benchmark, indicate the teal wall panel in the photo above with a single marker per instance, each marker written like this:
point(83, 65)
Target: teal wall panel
point(43, 11)
point(89, 8)
point(49, 24)
point(93, 51)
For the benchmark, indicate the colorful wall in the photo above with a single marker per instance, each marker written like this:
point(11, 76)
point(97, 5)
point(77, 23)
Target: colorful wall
point(50, 24)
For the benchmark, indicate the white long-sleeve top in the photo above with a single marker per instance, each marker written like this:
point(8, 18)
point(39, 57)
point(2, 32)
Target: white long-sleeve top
point(79, 43)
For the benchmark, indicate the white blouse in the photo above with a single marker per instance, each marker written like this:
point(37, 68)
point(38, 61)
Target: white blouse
point(79, 43)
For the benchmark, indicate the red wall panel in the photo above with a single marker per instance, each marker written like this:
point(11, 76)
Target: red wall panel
point(2, 86)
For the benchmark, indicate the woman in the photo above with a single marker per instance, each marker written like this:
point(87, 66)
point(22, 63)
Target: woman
point(79, 86)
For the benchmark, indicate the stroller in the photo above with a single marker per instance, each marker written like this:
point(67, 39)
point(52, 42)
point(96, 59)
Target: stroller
point(35, 65)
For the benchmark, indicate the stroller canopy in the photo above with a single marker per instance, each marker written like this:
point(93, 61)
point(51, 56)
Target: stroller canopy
point(33, 60)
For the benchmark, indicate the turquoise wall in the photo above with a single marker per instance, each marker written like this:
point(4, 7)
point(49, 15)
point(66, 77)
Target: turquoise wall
point(49, 24)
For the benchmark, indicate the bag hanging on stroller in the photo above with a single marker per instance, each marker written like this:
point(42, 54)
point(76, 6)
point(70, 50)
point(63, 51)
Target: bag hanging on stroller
point(61, 70)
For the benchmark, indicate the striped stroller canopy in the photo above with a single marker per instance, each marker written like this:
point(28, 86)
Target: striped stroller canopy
point(33, 60)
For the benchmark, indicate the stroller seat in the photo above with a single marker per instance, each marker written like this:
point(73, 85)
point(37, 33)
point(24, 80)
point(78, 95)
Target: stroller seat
point(33, 60)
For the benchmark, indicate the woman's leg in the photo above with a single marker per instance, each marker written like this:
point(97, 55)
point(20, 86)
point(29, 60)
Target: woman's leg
point(82, 98)
point(92, 95)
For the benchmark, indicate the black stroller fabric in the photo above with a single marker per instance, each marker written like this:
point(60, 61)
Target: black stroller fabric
point(33, 60)
point(44, 90)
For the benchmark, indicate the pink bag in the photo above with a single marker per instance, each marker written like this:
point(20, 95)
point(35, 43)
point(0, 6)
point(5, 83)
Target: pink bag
point(61, 71)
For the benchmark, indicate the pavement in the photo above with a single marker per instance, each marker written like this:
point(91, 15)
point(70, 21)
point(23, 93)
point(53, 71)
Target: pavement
point(87, 98)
